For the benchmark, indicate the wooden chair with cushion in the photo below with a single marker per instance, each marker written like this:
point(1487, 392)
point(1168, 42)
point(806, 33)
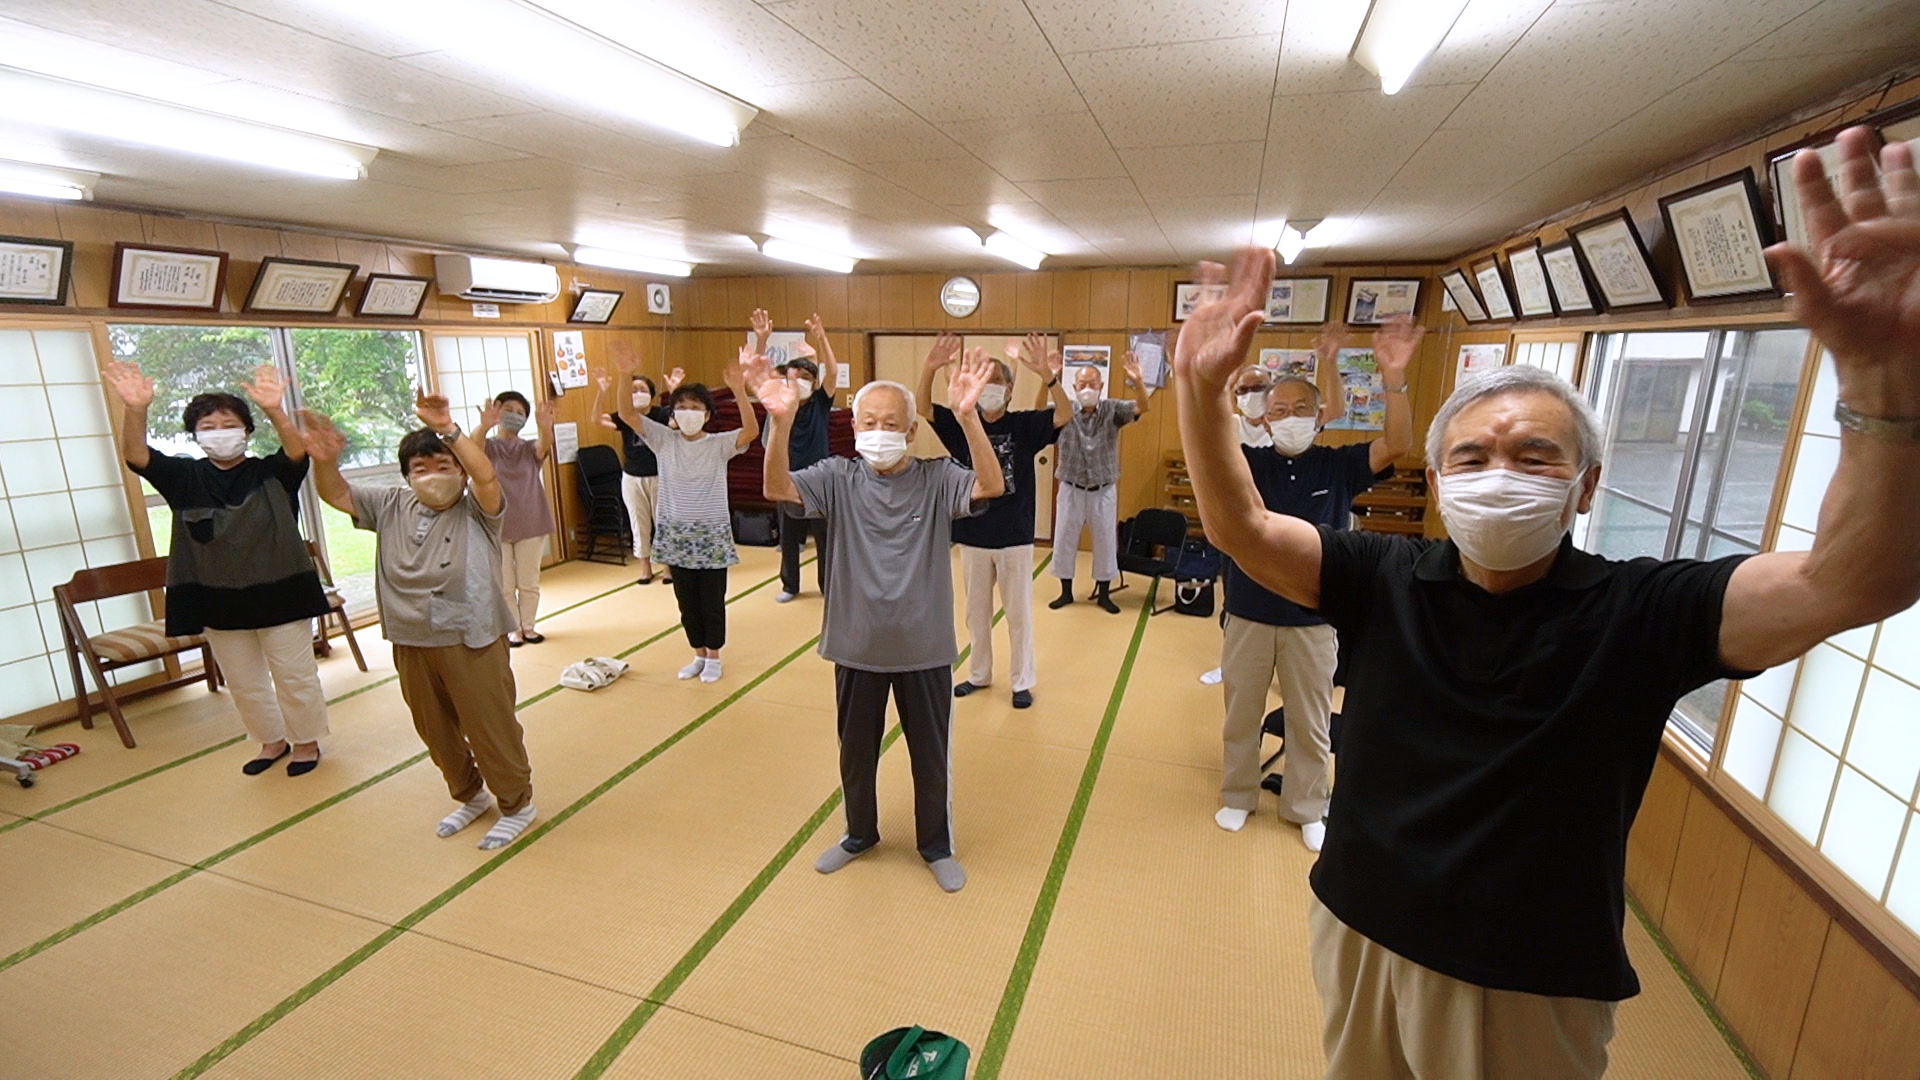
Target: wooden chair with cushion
point(126, 646)
point(338, 605)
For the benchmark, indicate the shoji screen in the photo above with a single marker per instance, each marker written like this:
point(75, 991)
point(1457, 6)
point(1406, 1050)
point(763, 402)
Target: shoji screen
point(63, 506)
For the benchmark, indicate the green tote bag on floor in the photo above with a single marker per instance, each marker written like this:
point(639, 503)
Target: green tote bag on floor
point(914, 1053)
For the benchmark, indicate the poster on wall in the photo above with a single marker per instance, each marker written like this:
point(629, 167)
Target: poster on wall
point(1149, 349)
point(1372, 301)
point(1476, 359)
point(1188, 295)
point(1301, 362)
point(1075, 357)
point(570, 358)
point(1366, 392)
point(783, 345)
point(566, 443)
point(1298, 300)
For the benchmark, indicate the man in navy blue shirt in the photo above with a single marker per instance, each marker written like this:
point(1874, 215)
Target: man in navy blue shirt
point(1270, 638)
point(814, 381)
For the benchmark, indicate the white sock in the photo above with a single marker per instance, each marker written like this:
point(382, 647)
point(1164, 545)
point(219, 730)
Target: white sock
point(1230, 819)
point(710, 671)
point(1313, 834)
point(506, 830)
point(464, 816)
point(694, 669)
point(1211, 678)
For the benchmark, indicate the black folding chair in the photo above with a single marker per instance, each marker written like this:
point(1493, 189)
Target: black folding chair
point(605, 511)
point(1152, 546)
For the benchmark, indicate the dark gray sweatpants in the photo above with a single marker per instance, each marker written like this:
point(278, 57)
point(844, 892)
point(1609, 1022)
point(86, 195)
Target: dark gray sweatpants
point(924, 699)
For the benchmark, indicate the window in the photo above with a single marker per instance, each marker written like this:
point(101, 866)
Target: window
point(63, 507)
point(1557, 352)
point(1696, 426)
point(1830, 742)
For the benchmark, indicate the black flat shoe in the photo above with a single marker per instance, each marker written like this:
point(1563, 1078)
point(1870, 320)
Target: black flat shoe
point(512, 644)
point(965, 688)
point(1023, 699)
point(532, 638)
point(262, 764)
point(302, 768)
point(648, 580)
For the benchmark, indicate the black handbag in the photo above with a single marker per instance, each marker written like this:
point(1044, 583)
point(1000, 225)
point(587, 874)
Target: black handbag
point(1193, 598)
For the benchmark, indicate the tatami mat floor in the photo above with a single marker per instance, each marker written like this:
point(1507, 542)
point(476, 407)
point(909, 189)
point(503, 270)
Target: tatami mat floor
point(164, 916)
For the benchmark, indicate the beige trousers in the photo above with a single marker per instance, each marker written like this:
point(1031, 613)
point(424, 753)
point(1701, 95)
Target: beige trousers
point(1012, 570)
point(640, 493)
point(462, 705)
point(520, 577)
point(1384, 1017)
point(1301, 659)
point(275, 681)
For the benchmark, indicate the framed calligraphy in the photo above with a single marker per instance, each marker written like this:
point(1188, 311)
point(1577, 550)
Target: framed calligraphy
point(34, 271)
point(1721, 230)
point(170, 279)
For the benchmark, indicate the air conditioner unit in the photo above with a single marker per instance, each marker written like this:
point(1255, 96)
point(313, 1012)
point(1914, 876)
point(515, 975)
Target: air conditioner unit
point(504, 281)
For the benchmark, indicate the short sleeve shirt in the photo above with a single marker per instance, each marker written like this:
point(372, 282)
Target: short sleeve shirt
point(238, 561)
point(807, 442)
point(437, 572)
point(517, 463)
point(1090, 444)
point(693, 473)
point(889, 581)
point(1318, 486)
point(1016, 437)
point(1495, 750)
point(637, 457)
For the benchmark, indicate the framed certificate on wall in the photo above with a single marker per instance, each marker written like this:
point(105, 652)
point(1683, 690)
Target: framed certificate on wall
point(167, 279)
point(1618, 260)
point(395, 296)
point(1721, 230)
point(34, 271)
point(1493, 287)
point(1460, 291)
point(299, 285)
point(1530, 290)
point(1567, 276)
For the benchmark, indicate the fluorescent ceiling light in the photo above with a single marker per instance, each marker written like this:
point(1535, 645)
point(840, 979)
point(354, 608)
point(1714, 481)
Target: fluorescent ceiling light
point(627, 260)
point(1293, 238)
point(89, 110)
point(1014, 251)
point(42, 182)
point(788, 251)
point(1399, 35)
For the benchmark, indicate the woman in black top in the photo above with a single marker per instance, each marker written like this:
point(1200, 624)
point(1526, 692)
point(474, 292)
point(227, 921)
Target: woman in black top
point(640, 482)
point(239, 570)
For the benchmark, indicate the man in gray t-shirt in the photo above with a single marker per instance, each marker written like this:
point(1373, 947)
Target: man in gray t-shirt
point(1089, 473)
point(889, 612)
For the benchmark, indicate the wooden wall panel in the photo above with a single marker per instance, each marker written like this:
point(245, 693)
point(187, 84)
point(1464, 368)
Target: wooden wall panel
point(1149, 299)
point(1701, 901)
point(1861, 1024)
point(896, 302)
point(999, 306)
point(927, 312)
point(802, 300)
point(863, 302)
point(1072, 297)
point(1655, 840)
point(1107, 305)
point(1033, 299)
point(1772, 955)
point(708, 301)
point(830, 301)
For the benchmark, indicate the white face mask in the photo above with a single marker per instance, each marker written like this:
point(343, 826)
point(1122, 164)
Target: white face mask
point(222, 444)
point(993, 397)
point(438, 490)
point(1505, 520)
point(882, 449)
point(511, 421)
point(1253, 433)
point(690, 420)
point(1088, 397)
point(642, 399)
point(1253, 404)
point(1294, 434)
point(804, 388)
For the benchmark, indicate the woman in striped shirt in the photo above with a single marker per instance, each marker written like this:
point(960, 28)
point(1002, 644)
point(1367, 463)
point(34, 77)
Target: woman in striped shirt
point(693, 532)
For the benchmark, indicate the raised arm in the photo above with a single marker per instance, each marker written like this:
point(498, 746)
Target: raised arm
point(602, 383)
point(829, 364)
point(780, 399)
point(1326, 374)
point(945, 350)
point(969, 377)
point(1857, 287)
point(135, 391)
point(543, 415)
point(735, 378)
point(1140, 394)
point(1393, 349)
point(1035, 357)
point(435, 413)
point(269, 392)
point(324, 444)
point(489, 419)
point(762, 326)
point(1280, 552)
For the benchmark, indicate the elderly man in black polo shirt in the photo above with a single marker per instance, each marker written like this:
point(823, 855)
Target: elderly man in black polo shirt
point(1508, 692)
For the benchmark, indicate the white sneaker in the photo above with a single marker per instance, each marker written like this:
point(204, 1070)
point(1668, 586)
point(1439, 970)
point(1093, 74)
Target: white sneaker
point(784, 598)
point(710, 671)
point(1230, 819)
point(1211, 678)
point(694, 669)
point(1313, 834)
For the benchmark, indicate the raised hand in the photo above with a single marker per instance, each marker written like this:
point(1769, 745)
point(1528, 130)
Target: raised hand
point(489, 415)
point(816, 328)
point(434, 412)
point(1856, 283)
point(778, 396)
point(762, 325)
point(946, 349)
point(969, 377)
point(1213, 342)
point(1393, 348)
point(127, 381)
point(324, 441)
point(603, 380)
point(1328, 343)
point(1133, 369)
point(675, 378)
point(1055, 364)
point(267, 390)
point(623, 360)
point(1033, 355)
point(543, 412)
point(735, 375)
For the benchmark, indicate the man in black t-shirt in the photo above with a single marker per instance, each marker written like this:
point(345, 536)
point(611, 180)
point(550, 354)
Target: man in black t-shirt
point(1269, 639)
point(996, 547)
point(1507, 693)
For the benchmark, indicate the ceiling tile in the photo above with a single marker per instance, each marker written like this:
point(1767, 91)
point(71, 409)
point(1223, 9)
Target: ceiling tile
point(1092, 25)
point(857, 121)
point(733, 45)
point(1066, 146)
point(1841, 26)
point(1171, 95)
point(950, 181)
point(1330, 153)
point(1314, 51)
point(1217, 169)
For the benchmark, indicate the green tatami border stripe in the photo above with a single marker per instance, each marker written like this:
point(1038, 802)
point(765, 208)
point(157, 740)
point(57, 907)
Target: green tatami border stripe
point(115, 908)
point(656, 998)
point(327, 978)
point(1700, 997)
point(1000, 1036)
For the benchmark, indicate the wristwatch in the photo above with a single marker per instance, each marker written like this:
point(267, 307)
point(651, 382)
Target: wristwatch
point(1904, 429)
point(1053, 382)
point(449, 436)
point(1401, 389)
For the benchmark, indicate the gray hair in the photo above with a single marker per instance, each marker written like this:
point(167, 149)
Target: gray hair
point(1298, 380)
point(1006, 369)
point(1518, 379)
point(905, 395)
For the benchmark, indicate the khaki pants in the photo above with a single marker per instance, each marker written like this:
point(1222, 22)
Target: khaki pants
point(1301, 659)
point(1096, 511)
point(520, 577)
point(1385, 1017)
point(640, 492)
point(1012, 570)
point(462, 704)
point(275, 681)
